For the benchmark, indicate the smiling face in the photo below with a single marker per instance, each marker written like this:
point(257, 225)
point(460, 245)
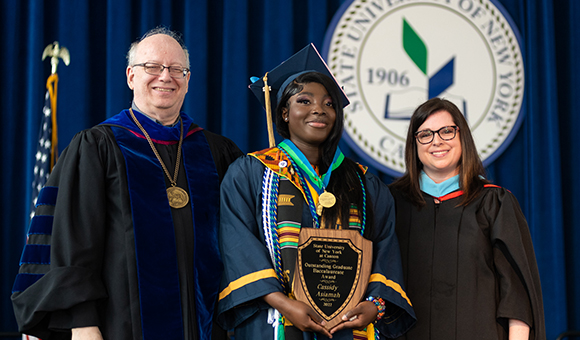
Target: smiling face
point(440, 158)
point(158, 96)
point(310, 116)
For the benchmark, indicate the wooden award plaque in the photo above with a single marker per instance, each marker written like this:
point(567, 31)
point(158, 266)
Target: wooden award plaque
point(332, 271)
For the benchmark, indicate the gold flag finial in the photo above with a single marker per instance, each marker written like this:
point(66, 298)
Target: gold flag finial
point(55, 51)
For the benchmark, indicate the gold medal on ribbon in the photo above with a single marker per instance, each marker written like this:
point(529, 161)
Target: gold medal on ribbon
point(325, 200)
point(178, 197)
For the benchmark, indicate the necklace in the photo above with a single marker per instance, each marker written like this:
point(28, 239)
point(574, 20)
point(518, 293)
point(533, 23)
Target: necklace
point(178, 198)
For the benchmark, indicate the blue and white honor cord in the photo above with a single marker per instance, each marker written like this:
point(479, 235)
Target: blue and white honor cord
point(270, 186)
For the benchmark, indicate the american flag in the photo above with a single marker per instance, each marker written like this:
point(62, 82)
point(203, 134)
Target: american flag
point(42, 166)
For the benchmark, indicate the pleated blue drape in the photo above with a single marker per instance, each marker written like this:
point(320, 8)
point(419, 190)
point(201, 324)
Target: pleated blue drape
point(231, 40)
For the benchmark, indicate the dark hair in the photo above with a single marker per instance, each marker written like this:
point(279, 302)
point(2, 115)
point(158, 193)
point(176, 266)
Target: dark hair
point(346, 186)
point(471, 170)
point(344, 182)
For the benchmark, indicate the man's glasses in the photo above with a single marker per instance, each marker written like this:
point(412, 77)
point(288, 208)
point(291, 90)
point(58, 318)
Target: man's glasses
point(445, 133)
point(157, 69)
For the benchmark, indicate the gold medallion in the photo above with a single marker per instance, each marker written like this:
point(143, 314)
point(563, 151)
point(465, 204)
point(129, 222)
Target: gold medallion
point(326, 199)
point(178, 197)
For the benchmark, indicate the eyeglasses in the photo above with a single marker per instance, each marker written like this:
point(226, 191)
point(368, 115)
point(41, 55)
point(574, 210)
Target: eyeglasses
point(445, 133)
point(157, 69)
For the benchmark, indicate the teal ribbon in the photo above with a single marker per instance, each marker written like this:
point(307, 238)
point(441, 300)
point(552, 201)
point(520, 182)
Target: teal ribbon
point(306, 172)
point(317, 182)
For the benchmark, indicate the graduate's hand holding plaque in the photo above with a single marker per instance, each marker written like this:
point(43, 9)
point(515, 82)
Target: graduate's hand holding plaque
point(300, 314)
point(332, 271)
point(358, 318)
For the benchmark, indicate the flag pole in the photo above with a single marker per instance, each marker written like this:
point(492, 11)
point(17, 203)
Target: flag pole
point(47, 131)
point(54, 51)
point(52, 87)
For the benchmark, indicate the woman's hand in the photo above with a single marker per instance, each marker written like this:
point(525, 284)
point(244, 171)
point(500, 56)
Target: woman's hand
point(518, 330)
point(358, 318)
point(86, 333)
point(298, 313)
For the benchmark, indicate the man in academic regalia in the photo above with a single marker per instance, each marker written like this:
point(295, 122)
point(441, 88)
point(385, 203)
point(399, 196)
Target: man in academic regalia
point(123, 244)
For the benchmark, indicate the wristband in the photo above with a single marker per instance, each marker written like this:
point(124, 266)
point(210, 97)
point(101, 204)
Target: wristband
point(380, 303)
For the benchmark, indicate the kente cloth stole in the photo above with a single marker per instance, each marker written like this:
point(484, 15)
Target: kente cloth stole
point(158, 275)
point(275, 159)
point(288, 201)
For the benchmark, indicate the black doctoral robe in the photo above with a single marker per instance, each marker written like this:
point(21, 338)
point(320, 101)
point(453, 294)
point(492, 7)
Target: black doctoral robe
point(81, 264)
point(469, 269)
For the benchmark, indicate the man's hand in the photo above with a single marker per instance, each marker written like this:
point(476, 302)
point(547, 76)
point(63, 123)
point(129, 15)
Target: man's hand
point(86, 333)
point(298, 313)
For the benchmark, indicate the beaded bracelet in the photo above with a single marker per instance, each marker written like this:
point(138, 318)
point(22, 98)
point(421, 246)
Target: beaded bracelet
point(380, 303)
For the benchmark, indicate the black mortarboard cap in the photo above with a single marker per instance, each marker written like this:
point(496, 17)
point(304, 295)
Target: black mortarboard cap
point(306, 60)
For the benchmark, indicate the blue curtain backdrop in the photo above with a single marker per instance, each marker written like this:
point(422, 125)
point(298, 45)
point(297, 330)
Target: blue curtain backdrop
point(230, 41)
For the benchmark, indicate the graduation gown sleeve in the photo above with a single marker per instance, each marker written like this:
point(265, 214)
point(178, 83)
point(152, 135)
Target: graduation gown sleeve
point(386, 279)
point(519, 279)
point(249, 274)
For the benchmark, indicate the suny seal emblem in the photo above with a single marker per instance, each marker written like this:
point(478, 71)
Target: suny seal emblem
point(392, 55)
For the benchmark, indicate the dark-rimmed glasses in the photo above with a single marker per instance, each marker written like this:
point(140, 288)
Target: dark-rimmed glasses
point(445, 133)
point(157, 69)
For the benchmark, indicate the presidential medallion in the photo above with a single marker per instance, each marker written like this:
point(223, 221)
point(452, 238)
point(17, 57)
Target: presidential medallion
point(177, 197)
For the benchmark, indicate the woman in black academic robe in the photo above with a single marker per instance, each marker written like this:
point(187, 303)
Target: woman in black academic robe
point(468, 261)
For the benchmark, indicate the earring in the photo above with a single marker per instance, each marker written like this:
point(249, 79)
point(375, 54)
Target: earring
point(286, 119)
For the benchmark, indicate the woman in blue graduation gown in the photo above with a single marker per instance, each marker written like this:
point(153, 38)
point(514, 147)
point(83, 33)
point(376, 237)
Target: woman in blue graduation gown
point(259, 228)
point(468, 259)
